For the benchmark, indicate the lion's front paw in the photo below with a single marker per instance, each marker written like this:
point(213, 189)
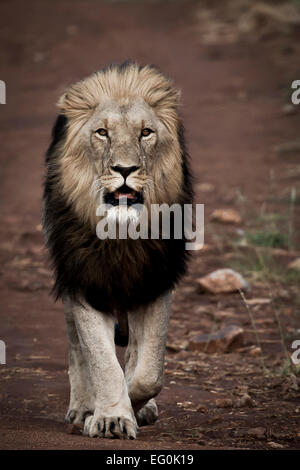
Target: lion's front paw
point(77, 415)
point(148, 414)
point(110, 427)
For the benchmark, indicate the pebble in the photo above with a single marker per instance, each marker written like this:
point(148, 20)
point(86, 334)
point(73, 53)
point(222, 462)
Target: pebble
point(224, 403)
point(222, 281)
point(227, 339)
point(259, 432)
point(245, 401)
point(295, 264)
point(226, 216)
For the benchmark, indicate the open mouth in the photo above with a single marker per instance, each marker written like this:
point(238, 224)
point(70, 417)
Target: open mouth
point(124, 196)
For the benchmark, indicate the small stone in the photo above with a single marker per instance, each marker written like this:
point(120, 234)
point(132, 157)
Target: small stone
point(201, 409)
point(185, 404)
point(254, 352)
point(275, 445)
point(258, 433)
point(225, 340)
point(259, 301)
point(222, 281)
point(245, 401)
point(295, 264)
point(177, 346)
point(205, 187)
point(224, 403)
point(226, 216)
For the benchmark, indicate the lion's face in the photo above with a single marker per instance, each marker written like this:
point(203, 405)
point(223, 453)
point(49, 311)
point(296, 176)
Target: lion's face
point(123, 139)
point(122, 152)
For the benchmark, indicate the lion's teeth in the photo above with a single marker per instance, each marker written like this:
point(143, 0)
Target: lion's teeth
point(119, 195)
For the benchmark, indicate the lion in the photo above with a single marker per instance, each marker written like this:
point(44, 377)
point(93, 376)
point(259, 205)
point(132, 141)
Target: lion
point(118, 135)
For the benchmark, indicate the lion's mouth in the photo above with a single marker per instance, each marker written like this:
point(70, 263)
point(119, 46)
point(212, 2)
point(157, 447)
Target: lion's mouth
point(124, 196)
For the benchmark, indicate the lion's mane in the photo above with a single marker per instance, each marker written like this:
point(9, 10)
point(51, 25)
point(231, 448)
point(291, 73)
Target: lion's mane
point(112, 275)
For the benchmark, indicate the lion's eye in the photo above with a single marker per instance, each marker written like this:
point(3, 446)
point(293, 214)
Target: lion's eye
point(146, 131)
point(102, 132)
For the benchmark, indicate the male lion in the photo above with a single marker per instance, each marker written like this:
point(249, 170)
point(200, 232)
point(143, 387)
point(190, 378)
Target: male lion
point(118, 135)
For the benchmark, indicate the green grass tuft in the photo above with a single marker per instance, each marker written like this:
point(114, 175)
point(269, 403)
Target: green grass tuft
point(268, 239)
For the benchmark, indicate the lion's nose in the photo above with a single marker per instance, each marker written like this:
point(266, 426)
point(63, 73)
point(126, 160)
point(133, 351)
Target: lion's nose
point(125, 170)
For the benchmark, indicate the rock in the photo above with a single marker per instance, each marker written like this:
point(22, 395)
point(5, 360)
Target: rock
point(275, 445)
point(295, 264)
point(258, 301)
point(245, 401)
point(258, 433)
point(225, 340)
point(201, 409)
point(177, 346)
point(222, 281)
point(224, 403)
point(205, 187)
point(185, 404)
point(226, 216)
point(254, 352)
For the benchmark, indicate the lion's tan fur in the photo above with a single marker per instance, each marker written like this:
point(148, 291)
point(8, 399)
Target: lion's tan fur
point(161, 179)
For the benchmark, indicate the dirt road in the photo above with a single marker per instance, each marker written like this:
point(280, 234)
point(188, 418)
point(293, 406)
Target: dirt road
point(233, 91)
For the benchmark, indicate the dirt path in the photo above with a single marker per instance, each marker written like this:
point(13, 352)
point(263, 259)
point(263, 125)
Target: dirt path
point(233, 94)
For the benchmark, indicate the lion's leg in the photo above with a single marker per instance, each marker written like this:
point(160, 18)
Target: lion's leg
point(81, 397)
point(148, 328)
point(113, 413)
point(148, 414)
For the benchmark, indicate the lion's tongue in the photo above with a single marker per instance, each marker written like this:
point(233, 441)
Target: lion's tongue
point(119, 195)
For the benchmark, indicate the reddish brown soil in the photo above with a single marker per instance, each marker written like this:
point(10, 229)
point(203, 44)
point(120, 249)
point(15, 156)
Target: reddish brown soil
point(233, 93)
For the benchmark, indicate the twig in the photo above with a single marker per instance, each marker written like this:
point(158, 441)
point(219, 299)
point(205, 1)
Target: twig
point(276, 314)
point(254, 329)
point(291, 219)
